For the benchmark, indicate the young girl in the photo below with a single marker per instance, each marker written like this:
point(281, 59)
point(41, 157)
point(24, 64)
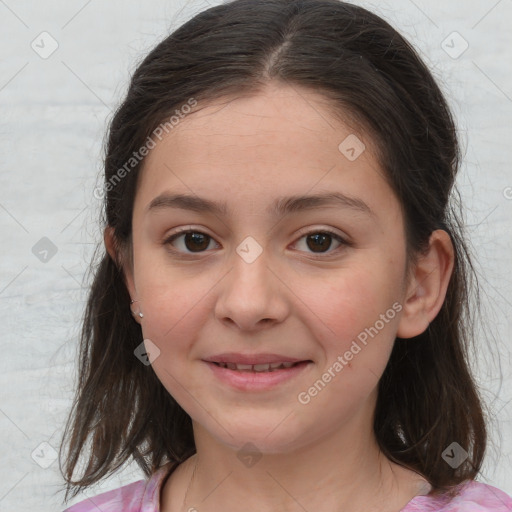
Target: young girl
point(279, 320)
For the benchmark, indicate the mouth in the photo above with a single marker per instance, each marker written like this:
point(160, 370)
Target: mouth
point(258, 377)
point(258, 368)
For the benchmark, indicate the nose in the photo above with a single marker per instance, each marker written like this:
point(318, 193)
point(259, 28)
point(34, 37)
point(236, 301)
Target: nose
point(252, 295)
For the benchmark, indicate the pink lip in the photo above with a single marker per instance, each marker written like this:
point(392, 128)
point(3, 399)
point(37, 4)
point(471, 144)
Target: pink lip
point(256, 381)
point(232, 357)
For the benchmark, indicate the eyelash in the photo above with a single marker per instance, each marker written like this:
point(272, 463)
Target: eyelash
point(168, 241)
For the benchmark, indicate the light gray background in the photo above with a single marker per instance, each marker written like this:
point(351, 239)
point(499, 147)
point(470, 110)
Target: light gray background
point(53, 117)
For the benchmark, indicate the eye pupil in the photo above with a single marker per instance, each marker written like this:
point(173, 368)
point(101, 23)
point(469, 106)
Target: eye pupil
point(196, 238)
point(319, 237)
point(196, 242)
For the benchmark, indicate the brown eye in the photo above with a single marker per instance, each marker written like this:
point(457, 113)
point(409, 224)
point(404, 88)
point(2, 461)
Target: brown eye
point(320, 242)
point(192, 241)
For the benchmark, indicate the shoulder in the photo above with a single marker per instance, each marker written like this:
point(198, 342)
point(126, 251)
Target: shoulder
point(140, 496)
point(126, 499)
point(472, 496)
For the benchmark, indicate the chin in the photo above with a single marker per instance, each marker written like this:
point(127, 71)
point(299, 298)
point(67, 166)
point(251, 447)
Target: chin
point(268, 437)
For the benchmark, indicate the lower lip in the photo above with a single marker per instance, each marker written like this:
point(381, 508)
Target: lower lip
point(256, 381)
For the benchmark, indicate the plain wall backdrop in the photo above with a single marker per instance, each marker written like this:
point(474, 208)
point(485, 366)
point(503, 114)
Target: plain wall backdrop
point(64, 67)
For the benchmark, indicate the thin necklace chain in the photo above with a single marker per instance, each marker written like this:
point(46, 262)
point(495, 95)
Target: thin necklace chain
point(189, 484)
point(424, 487)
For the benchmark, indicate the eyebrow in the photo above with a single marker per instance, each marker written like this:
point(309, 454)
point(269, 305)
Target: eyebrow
point(281, 207)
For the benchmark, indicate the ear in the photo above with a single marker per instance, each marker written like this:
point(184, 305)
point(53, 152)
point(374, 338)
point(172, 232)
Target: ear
point(426, 290)
point(112, 248)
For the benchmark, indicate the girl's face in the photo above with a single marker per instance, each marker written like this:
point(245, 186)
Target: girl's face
point(297, 253)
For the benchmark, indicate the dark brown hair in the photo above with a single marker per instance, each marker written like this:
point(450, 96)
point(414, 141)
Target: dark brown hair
point(369, 74)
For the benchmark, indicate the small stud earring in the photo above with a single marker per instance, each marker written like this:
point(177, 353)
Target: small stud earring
point(139, 314)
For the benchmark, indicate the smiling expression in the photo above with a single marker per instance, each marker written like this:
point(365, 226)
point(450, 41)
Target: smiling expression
point(254, 235)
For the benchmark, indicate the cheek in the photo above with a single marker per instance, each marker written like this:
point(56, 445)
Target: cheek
point(173, 318)
point(173, 302)
point(174, 323)
point(360, 312)
point(358, 297)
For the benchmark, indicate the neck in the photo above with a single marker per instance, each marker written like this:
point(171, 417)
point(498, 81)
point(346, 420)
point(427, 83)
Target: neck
point(342, 471)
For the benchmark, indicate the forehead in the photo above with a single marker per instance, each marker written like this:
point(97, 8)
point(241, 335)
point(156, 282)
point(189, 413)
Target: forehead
point(253, 149)
point(277, 115)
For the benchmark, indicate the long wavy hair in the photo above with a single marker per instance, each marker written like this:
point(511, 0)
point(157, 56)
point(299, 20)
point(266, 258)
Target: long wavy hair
point(368, 72)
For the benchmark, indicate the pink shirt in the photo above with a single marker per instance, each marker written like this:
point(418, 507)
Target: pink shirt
point(144, 496)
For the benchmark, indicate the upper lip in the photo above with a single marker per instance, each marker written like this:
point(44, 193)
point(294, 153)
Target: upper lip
point(231, 357)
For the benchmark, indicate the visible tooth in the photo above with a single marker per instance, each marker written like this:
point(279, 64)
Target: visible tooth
point(265, 367)
point(261, 367)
